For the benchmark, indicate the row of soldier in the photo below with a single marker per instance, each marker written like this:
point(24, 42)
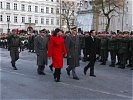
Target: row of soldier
point(119, 46)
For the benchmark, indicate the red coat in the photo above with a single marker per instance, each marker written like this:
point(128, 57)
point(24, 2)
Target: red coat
point(57, 50)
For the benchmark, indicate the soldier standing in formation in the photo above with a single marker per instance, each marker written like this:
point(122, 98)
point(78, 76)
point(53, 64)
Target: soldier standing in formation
point(104, 48)
point(73, 49)
point(131, 51)
point(14, 43)
point(41, 47)
point(123, 50)
point(112, 47)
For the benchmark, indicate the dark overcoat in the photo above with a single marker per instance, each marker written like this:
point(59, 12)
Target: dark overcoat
point(73, 49)
point(90, 46)
point(41, 47)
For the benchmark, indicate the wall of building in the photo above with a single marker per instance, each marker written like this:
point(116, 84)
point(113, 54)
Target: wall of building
point(52, 17)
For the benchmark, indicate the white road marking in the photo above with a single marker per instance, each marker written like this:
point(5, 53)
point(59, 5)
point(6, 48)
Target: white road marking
point(80, 87)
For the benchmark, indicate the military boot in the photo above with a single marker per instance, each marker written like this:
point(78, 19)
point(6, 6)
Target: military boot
point(14, 66)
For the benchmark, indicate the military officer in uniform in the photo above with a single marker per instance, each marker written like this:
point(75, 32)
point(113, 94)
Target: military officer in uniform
point(104, 48)
point(14, 43)
point(131, 50)
point(112, 47)
point(41, 47)
point(123, 50)
point(73, 49)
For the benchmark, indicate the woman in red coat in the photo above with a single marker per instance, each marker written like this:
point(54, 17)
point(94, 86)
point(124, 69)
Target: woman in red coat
point(57, 51)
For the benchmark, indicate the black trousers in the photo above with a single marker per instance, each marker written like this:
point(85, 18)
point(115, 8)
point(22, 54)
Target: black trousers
point(91, 65)
point(57, 73)
point(14, 56)
point(40, 68)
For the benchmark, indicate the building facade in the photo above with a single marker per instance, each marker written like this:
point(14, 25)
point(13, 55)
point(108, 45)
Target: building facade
point(84, 15)
point(90, 18)
point(22, 14)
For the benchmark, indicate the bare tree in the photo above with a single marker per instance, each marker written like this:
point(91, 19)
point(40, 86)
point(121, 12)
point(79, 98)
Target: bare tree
point(67, 13)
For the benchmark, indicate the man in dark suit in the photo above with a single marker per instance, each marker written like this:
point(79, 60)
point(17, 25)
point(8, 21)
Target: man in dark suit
point(90, 45)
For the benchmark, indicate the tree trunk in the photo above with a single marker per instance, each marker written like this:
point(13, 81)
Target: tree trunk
point(108, 24)
point(68, 25)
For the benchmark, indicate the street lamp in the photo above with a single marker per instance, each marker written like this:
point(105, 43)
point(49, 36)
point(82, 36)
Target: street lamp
point(8, 22)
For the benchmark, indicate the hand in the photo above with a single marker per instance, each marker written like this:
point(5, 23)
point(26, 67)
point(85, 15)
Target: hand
point(65, 55)
point(97, 55)
point(88, 56)
point(70, 57)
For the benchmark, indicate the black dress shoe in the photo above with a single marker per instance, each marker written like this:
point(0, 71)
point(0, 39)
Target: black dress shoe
point(15, 68)
point(57, 81)
point(103, 64)
point(85, 71)
point(76, 78)
point(68, 72)
point(93, 75)
point(41, 73)
point(112, 65)
point(118, 63)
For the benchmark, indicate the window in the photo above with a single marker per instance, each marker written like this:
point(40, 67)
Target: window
point(52, 0)
point(23, 19)
point(42, 20)
point(23, 7)
point(57, 11)
point(1, 5)
point(42, 10)
point(8, 18)
point(47, 21)
point(52, 10)
point(1, 18)
point(36, 8)
point(15, 6)
point(72, 22)
point(57, 22)
point(8, 6)
point(15, 19)
point(36, 20)
point(57, 0)
point(29, 19)
point(47, 9)
point(29, 7)
point(52, 21)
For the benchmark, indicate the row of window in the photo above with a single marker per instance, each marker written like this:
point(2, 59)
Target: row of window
point(30, 20)
point(29, 8)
